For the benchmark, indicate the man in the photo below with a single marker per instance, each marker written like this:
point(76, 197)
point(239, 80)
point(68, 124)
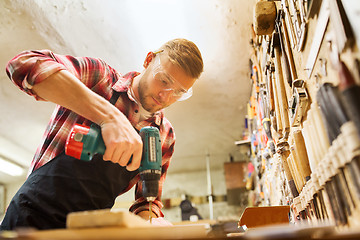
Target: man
point(82, 88)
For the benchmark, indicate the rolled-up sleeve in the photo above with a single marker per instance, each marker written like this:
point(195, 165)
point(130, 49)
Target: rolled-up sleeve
point(31, 67)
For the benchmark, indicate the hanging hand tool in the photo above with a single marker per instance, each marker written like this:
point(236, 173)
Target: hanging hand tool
point(286, 54)
point(84, 142)
point(351, 94)
point(342, 179)
point(301, 155)
point(297, 13)
point(317, 144)
point(321, 25)
point(298, 102)
point(289, 25)
point(343, 31)
point(264, 17)
point(269, 69)
point(331, 188)
point(295, 22)
point(284, 153)
point(280, 86)
point(266, 122)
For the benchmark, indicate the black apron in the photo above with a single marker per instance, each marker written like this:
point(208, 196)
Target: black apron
point(63, 185)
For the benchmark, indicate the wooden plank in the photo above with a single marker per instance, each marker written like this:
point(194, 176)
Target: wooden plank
point(261, 216)
point(105, 218)
point(151, 232)
point(120, 224)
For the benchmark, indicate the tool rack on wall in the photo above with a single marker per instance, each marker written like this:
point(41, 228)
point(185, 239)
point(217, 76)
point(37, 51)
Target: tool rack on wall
point(304, 111)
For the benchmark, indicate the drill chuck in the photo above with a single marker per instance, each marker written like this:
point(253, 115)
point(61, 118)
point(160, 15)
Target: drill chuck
point(150, 183)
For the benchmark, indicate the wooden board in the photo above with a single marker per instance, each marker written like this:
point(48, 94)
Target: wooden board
point(119, 224)
point(261, 216)
point(105, 218)
point(152, 232)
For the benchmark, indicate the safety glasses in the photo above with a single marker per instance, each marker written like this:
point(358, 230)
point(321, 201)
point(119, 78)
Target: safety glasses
point(167, 82)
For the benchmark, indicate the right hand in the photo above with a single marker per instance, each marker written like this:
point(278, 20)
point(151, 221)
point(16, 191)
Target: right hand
point(120, 138)
point(121, 141)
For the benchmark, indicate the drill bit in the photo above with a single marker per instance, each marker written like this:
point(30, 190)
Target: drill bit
point(150, 211)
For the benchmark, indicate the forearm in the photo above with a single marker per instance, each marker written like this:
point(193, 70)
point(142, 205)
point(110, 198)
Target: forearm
point(120, 138)
point(64, 89)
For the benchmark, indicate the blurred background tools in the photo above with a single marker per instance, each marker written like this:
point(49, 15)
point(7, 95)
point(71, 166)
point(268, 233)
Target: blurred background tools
point(306, 95)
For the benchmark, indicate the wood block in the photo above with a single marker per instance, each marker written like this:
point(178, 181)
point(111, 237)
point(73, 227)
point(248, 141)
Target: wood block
point(104, 218)
point(262, 216)
point(264, 17)
point(198, 231)
point(106, 224)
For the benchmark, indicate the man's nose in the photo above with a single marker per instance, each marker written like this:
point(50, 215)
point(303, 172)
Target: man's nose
point(166, 94)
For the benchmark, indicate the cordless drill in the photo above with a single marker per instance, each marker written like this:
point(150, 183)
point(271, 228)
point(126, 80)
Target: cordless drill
point(84, 142)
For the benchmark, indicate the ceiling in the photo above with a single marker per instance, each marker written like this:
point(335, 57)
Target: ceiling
point(121, 33)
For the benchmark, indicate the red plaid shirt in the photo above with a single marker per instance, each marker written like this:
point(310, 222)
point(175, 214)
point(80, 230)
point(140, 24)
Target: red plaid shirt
point(31, 67)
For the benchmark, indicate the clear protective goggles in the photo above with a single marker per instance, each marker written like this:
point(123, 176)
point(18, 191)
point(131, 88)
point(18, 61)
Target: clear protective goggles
point(167, 82)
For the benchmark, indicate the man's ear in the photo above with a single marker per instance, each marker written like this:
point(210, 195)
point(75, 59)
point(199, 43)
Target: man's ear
point(149, 57)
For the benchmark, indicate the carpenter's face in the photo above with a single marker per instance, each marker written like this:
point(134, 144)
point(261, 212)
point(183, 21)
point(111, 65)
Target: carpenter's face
point(162, 84)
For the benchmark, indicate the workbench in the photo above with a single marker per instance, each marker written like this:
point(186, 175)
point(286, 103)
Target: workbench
point(187, 232)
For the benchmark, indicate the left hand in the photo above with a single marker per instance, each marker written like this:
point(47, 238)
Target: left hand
point(157, 221)
point(160, 222)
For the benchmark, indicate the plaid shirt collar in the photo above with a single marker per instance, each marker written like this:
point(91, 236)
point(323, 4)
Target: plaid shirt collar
point(123, 85)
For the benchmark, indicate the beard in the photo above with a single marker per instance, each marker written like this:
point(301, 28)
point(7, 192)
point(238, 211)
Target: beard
point(147, 99)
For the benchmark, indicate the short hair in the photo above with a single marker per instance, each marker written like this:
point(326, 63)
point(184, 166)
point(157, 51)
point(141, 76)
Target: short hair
point(186, 55)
